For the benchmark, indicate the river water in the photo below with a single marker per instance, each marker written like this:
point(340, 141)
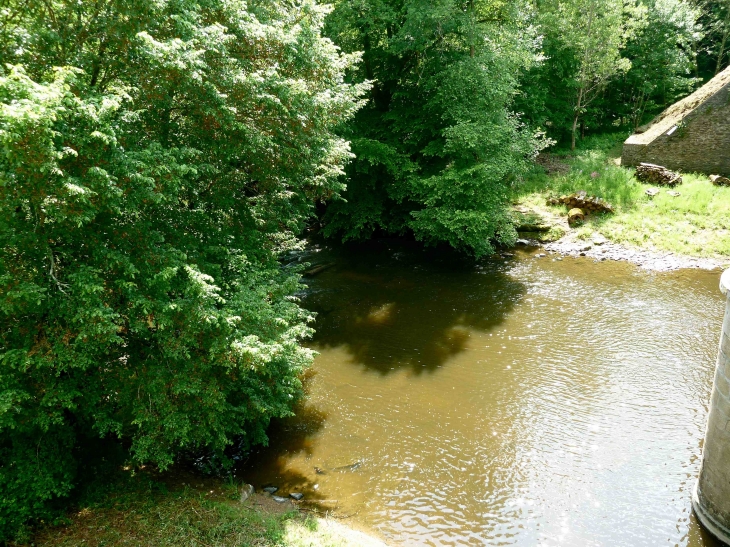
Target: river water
point(519, 401)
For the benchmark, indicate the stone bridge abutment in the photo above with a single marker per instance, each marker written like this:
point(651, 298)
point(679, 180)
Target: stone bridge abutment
point(711, 499)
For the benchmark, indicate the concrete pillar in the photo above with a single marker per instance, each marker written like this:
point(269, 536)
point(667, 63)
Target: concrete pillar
point(711, 499)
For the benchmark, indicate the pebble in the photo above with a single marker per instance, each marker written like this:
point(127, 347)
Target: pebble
point(541, 255)
point(650, 260)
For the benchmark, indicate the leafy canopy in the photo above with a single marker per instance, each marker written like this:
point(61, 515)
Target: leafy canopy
point(438, 145)
point(156, 158)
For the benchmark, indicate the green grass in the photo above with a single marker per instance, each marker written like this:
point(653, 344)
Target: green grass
point(696, 223)
point(144, 512)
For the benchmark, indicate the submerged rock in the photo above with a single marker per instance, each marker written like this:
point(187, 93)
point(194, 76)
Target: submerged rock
point(345, 468)
point(270, 489)
point(318, 269)
point(527, 242)
point(296, 495)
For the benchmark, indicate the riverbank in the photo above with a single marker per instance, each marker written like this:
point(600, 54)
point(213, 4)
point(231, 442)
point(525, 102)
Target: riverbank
point(186, 509)
point(684, 227)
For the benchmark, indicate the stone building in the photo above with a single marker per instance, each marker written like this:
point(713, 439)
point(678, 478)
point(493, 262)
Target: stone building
point(692, 135)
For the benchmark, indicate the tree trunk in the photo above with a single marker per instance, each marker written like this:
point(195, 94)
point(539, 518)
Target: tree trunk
point(721, 54)
point(575, 128)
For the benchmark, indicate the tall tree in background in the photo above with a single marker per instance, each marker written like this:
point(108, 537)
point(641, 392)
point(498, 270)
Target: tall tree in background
point(147, 189)
point(595, 31)
point(635, 60)
point(438, 145)
point(714, 49)
point(663, 63)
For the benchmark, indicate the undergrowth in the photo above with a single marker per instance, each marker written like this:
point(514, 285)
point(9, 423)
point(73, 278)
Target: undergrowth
point(143, 511)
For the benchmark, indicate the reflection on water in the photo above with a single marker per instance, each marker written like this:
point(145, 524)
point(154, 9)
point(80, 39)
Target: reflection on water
point(520, 402)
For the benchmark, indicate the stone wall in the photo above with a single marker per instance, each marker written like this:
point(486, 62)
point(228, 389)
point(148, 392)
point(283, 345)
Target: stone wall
point(698, 141)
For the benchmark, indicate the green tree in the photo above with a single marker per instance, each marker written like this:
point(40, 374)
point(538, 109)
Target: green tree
point(596, 31)
point(147, 189)
point(663, 63)
point(713, 50)
point(438, 145)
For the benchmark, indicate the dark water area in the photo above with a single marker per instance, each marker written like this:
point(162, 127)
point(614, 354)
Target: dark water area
point(519, 401)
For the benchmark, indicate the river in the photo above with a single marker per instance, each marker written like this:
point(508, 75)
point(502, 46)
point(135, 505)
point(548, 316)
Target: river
point(514, 401)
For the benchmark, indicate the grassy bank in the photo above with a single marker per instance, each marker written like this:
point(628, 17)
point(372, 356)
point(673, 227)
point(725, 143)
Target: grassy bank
point(695, 223)
point(190, 511)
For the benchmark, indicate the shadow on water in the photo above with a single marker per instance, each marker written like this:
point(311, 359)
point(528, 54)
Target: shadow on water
point(393, 304)
point(288, 437)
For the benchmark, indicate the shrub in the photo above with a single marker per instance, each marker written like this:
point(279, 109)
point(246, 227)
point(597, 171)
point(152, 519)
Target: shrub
point(146, 191)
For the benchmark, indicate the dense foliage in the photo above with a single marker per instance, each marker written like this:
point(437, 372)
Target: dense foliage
point(714, 48)
point(610, 65)
point(438, 144)
point(155, 160)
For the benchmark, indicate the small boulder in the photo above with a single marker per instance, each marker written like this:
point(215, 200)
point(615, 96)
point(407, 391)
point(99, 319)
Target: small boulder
point(651, 192)
point(247, 491)
point(296, 495)
point(576, 216)
point(270, 489)
point(279, 499)
point(319, 268)
point(719, 180)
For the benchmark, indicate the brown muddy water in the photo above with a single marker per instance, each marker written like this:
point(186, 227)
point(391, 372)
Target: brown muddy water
point(521, 401)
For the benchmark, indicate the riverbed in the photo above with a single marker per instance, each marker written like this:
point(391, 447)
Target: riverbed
point(512, 401)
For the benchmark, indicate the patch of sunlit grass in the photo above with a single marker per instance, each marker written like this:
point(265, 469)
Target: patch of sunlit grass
point(695, 223)
point(212, 518)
